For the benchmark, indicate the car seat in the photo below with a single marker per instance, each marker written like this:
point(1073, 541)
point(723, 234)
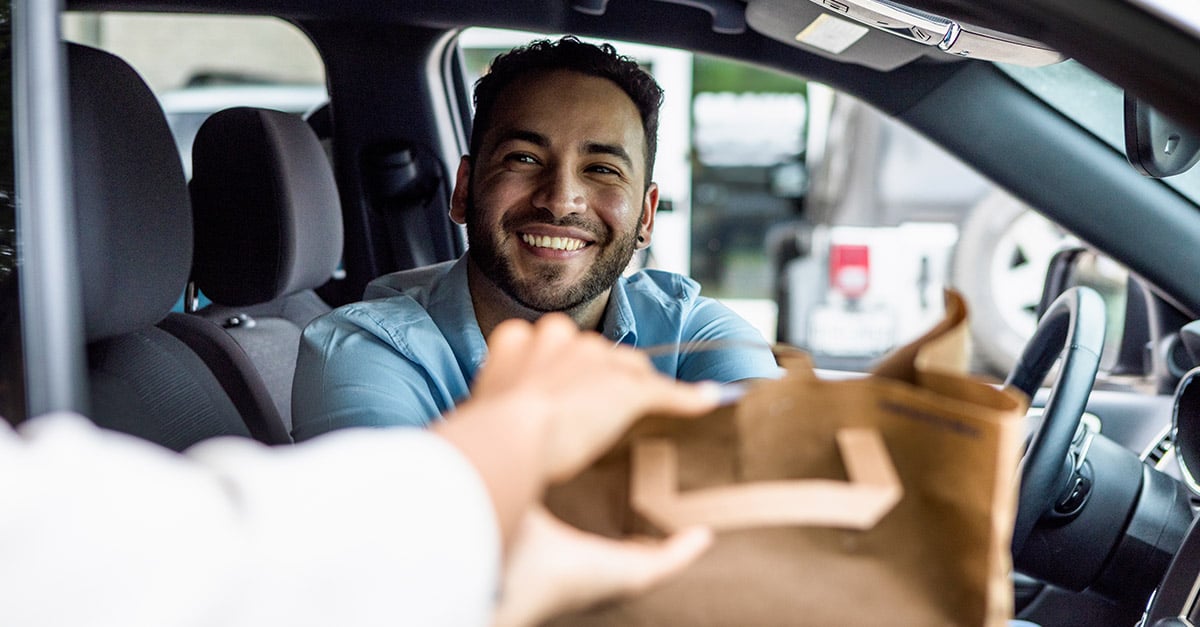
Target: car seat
point(169, 378)
point(268, 233)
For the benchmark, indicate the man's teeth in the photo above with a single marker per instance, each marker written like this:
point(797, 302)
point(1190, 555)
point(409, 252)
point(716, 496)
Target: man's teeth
point(557, 243)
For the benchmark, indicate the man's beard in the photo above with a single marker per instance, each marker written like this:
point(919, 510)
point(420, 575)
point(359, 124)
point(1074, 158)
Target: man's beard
point(539, 292)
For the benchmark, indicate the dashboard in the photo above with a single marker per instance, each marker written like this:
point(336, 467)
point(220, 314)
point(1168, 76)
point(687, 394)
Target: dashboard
point(1175, 601)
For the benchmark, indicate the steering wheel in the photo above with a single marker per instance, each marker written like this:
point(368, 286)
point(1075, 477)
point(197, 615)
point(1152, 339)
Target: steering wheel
point(1073, 325)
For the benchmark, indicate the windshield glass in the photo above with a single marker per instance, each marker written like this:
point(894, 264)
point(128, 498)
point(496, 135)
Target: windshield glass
point(1093, 103)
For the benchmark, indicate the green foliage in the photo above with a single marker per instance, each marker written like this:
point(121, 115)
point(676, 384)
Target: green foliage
point(712, 74)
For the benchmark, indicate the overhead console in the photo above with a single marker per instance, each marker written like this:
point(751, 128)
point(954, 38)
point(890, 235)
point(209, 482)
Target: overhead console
point(884, 35)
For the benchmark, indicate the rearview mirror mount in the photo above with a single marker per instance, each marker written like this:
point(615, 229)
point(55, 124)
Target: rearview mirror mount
point(1155, 145)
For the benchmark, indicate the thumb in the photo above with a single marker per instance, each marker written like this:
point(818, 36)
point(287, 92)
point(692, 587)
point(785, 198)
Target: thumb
point(556, 568)
point(686, 399)
point(619, 568)
point(642, 566)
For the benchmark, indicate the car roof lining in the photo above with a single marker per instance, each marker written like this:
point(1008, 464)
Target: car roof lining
point(891, 91)
point(1117, 54)
point(638, 22)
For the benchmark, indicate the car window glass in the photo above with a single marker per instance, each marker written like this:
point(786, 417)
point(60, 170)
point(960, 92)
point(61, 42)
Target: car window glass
point(12, 381)
point(827, 224)
point(198, 65)
point(713, 173)
point(1093, 103)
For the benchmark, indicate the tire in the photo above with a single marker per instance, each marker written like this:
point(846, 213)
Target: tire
point(999, 265)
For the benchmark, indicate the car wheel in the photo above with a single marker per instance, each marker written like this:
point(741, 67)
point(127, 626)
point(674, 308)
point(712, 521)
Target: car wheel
point(999, 265)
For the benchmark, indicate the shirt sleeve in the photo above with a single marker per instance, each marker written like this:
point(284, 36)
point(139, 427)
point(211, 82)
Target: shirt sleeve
point(350, 373)
point(730, 348)
point(356, 528)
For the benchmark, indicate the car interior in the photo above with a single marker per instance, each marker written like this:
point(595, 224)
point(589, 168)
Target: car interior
point(268, 234)
point(143, 379)
point(285, 218)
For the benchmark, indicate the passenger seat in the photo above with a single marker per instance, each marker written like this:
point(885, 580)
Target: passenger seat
point(268, 233)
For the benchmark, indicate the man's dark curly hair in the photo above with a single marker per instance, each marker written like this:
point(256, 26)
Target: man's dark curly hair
point(571, 54)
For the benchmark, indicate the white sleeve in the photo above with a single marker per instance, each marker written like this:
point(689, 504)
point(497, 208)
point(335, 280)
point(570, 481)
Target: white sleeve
point(360, 527)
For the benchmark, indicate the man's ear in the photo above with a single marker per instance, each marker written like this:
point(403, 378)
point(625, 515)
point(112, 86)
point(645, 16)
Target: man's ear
point(462, 186)
point(649, 208)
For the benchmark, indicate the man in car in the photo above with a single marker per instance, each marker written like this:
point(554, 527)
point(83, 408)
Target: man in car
point(556, 196)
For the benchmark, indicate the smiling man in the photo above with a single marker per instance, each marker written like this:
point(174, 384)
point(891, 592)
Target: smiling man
point(556, 196)
point(556, 199)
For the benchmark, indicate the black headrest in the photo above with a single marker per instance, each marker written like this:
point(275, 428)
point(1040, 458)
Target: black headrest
point(134, 218)
point(268, 220)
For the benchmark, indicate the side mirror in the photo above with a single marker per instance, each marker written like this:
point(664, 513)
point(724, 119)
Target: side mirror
point(1124, 348)
point(1154, 144)
point(1150, 340)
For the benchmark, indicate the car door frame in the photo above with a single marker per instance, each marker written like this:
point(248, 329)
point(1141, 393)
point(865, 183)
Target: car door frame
point(50, 295)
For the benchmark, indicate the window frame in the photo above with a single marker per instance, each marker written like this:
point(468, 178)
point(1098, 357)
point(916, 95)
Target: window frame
point(51, 307)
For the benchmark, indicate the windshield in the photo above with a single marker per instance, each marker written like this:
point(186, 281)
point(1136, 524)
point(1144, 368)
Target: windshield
point(1093, 103)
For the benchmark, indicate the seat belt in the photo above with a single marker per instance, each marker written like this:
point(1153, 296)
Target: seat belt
point(409, 190)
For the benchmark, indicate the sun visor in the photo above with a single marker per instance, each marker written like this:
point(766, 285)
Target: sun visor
point(884, 35)
point(976, 42)
point(834, 35)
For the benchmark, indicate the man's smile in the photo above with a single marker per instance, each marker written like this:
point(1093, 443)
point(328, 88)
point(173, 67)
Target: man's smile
point(553, 242)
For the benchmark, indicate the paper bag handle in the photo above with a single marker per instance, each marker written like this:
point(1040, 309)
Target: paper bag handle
point(872, 490)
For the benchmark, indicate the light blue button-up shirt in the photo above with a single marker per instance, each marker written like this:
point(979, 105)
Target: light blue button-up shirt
point(410, 352)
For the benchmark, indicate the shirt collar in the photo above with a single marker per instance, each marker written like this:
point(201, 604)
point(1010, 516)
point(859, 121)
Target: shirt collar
point(451, 309)
point(619, 324)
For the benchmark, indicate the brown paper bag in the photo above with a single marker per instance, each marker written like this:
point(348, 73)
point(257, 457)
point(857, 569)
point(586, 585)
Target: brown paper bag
point(884, 500)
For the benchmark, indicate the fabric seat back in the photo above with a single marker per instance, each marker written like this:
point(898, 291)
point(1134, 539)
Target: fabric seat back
point(135, 238)
point(268, 233)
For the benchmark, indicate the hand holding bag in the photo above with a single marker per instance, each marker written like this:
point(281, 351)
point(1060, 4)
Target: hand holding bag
point(882, 500)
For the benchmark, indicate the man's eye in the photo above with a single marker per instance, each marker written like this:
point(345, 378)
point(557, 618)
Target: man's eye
point(521, 158)
point(603, 169)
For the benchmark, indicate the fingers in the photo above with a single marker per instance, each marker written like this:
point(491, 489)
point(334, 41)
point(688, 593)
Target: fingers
point(510, 336)
point(554, 341)
point(617, 568)
point(556, 568)
point(686, 399)
point(518, 348)
point(641, 566)
point(550, 329)
point(577, 389)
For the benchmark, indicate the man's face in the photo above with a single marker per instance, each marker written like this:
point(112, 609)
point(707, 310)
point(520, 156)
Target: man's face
point(557, 197)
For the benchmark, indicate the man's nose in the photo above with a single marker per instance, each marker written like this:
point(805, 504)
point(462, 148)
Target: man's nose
point(561, 193)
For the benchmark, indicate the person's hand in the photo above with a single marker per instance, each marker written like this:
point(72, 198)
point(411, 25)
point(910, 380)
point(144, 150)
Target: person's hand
point(586, 390)
point(549, 400)
point(554, 568)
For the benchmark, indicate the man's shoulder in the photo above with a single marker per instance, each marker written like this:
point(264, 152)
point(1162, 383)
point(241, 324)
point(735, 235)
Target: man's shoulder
point(380, 316)
point(674, 300)
point(666, 288)
point(415, 282)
